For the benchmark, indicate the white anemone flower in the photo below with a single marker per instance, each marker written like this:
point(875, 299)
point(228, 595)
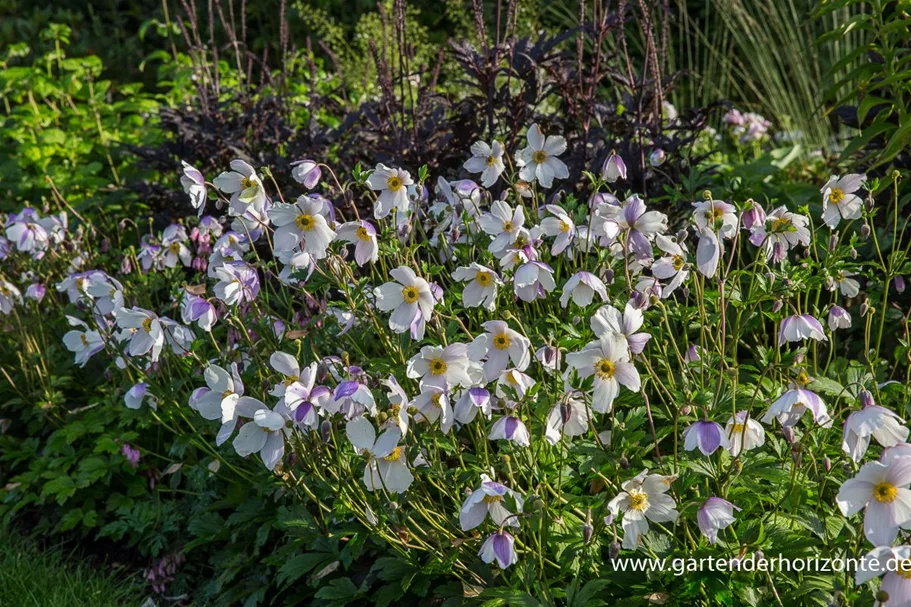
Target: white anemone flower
point(407, 298)
point(502, 223)
point(582, 287)
point(393, 185)
point(441, 367)
point(512, 429)
point(265, 434)
point(432, 405)
point(488, 500)
point(643, 499)
point(539, 159)
point(533, 280)
point(194, 185)
point(84, 343)
point(894, 565)
point(486, 160)
point(847, 286)
point(569, 417)
point(144, 331)
point(362, 235)
point(10, 296)
point(672, 266)
point(560, 227)
point(302, 224)
point(219, 400)
point(514, 381)
point(839, 198)
point(873, 421)
point(882, 489)
point(244, 186)
point(608, 360)
point(609, 320)
point(800, 327)
point(743, 433)
point(290, 369)
point(481, 290)
point(499, 345)
point(387, 468)
point(135, 396)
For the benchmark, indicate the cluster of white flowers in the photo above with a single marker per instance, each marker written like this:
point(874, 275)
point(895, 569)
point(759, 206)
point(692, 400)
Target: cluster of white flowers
point(499, 253)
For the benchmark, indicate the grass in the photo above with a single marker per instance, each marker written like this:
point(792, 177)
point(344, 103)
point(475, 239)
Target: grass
point(31, 576)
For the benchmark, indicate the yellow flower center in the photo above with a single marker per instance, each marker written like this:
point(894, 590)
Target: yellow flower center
point(903, 569)
point(605, 368)
point(716, 213)
point(435, 399)
point(247, 182)
point(80, 284)
point(564, 227)
point(508, 226)
point(501, 341)
point(738, 429)
point(803, 379)
point(781, 224)
point(84, 340)
point(836, 195)
point(410, 294)
point(147, 325)
point(492, 499)
point(394, 410)
point(484, 279)
point(638, 500)
point(305, 222)
point(840, 276)
point(394, 183)
point(226, 394)
point(511, 378)
point(539, 157)
point(5, 291)
point(885, 493)
point(491, 160)
point(290, 380)
point(395, 455)
point(438, 366)
point(174, 248)
point(363, 234)
point(678, 262)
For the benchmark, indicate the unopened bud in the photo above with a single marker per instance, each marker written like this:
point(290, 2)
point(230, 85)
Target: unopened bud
point(608, 276)
point(864, 308)
point(833, 242)
point(899, 284)
point(853, 253)
point(777, 306)
point(325, 430)
point(707, 194)
point(614, 550)
point(624, 463)
point(869, 203)
point(827, 464)
point(788, 434)
point(864, 232)
point(686, 410)
point(588, 529)
point(882, 596)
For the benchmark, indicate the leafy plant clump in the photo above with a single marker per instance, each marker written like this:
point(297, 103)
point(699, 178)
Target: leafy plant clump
point(504, 398)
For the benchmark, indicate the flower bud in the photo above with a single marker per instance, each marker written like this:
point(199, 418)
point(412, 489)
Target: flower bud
point(866, 399)
point(899, 284)
point(882, 596)
point(614, 168)
point(325, 430)
point(864, 232)
point(827, 464)
point(686, 410)
point(624, 463)
point(869, 202)
point(587, 529)
point(788, 433)
point(777, 306)
point(853, 253)
point(833, 242)
point(657, 157)
point(613, 550)
point(608, 276)
point(864, 307)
